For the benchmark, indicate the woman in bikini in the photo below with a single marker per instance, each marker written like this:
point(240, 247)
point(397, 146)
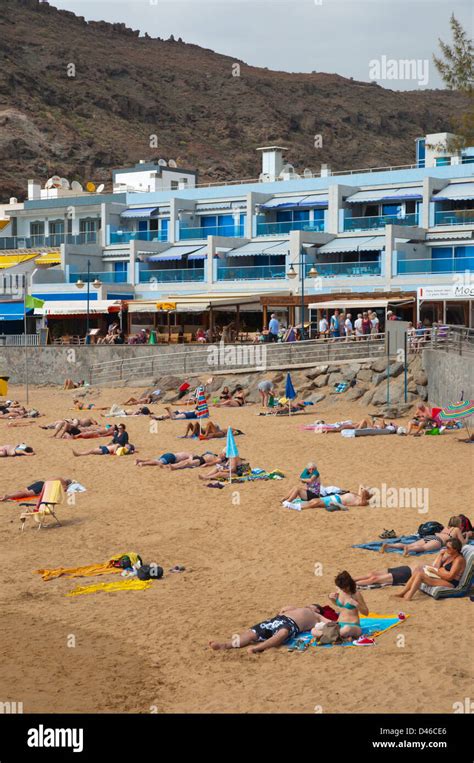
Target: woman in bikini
point(210, 432)
point(15, 450)
point(351, 605)
point(237, 400)
point(446, 571)
point(433, 542)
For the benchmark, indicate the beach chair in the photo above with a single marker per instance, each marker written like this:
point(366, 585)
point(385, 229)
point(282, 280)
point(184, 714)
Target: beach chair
point(465, 586)
point(50, 497)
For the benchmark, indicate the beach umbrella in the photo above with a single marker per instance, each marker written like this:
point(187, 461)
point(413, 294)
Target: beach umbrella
point(289, 392)
point(231, 449)
point(202, 408)
point(455, 411)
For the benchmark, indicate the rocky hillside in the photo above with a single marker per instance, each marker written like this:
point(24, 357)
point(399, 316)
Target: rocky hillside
point(79, 98)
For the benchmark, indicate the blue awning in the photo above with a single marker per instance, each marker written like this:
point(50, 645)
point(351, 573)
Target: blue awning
point(140, 212)
point(12, 311)
point(296, 202)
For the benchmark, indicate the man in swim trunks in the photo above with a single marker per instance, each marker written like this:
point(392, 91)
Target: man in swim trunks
point(165, 460)
point(207, 459)
point(106, 450)
point(174, 415)
point(15, 450)
point(34, 489)
point(390, 576)
point(288, 623)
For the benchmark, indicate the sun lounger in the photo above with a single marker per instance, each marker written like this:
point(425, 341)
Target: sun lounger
point(50, 497)
point(365, 432)
point(465, 586)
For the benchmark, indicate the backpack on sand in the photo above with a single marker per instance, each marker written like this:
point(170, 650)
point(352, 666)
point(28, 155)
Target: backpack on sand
point(330, 634)
point(429, 528)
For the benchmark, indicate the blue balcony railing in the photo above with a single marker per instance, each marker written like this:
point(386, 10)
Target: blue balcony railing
point(379, 221)
point(125, 236)
point(180, 275)
point(250, 272)
point(270, 229)
point(105, 277)
point(435, 266)
point(348, 269)
point(51, 241)
point(235, 231)
point(454, 217)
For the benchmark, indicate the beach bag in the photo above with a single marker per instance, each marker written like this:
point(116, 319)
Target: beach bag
point(150, 572)
point(330, 633)
point(429, 528)
point(466, 525)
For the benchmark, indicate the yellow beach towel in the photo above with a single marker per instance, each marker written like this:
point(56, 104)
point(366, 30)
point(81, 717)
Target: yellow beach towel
point(119, 585)
point(101, 568)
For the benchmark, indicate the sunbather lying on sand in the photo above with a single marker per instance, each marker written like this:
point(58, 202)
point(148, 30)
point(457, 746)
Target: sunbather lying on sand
point(361, 498)
point(431, 542)
point(364, 423)
point(351, 604)
point(34, 489)
point(446, 570)
point(145, 399)
point(173, 415)
point(388, 576)
point(15, 450)
point(67, 428)
point(284, 409)
point(18, 413)
point(207, 459)
point(228, 467)
point(108, 450)
point(210, 431)
point(288, 623)
point(165, 460)
point(93, 432)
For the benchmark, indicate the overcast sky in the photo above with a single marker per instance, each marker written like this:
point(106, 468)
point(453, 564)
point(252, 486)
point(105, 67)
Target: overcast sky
point(343, 36)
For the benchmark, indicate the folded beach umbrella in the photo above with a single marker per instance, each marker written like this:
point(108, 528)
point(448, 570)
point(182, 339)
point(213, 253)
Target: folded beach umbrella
point(202, 408)
point(455, 411)
point(289, 392)
point(231, 449)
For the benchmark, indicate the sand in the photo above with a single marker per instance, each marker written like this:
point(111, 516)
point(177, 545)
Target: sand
point(245, 557)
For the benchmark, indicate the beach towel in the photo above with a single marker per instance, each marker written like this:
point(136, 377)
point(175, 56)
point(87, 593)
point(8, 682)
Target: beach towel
point(373, 625)
point(116, 410)
point(119, 585)
point(76, 487)
point(366, 432)
point(406, 539)
point(325, 427)
point(101, 568)
point(255, 474)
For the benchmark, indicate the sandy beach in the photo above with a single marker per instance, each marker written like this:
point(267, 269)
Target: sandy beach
point(245, 557)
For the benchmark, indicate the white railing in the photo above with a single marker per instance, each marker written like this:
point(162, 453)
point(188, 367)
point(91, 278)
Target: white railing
point(18, 340)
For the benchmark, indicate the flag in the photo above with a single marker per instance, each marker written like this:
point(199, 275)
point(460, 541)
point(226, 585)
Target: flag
point(202, 408)
point(230, 447)
point(32, 302)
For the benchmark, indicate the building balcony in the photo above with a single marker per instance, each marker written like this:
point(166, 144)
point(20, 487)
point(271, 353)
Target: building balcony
point(232, 231)
point(379, 221)
point(180, 275)
point(279, 228)
point(454, 217)
point(437, 266)
point(104, 277)
point(125, 236)
point(250, 272)
point(347, 269)
point(50, 242)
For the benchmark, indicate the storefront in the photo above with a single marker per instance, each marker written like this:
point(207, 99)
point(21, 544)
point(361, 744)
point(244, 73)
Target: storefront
point(69, 319)
point(452, 305)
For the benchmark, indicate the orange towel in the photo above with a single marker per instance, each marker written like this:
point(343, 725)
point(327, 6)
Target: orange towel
point(103, 568)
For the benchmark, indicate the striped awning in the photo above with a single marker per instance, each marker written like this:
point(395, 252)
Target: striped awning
point(455, 191)
point(50, 258)
point(140, 212)
point(291, 202)
point(386, 194)
point(10, 260)
point(98, 306)
point(172, 253)
point(254, 248)
point(353, 244)
point(4, 223)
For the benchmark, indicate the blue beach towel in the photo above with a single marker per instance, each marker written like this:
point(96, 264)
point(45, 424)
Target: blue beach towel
point(372, 626)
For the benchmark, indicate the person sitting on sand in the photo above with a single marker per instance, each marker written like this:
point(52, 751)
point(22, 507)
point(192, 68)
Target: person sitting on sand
point(431, 542)
point(145, 399)
point(361, 498)
point(34, 490)
point(237, 400)
point(422, 418)
point(210, 432)
point(16, 450)
point(310, 476)
point(165, 460)
point(446, 571)
point(227, 467)
point(108, 450)
point(120, 436)
point(389, 576)
point(288, 623)
point(225, 394)
point(351, 604)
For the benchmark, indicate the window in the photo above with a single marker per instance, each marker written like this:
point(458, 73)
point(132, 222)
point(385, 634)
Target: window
point(37, 229)
point(120, 267)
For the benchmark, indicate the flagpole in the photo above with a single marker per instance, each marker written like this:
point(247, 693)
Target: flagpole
point(26, 345)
